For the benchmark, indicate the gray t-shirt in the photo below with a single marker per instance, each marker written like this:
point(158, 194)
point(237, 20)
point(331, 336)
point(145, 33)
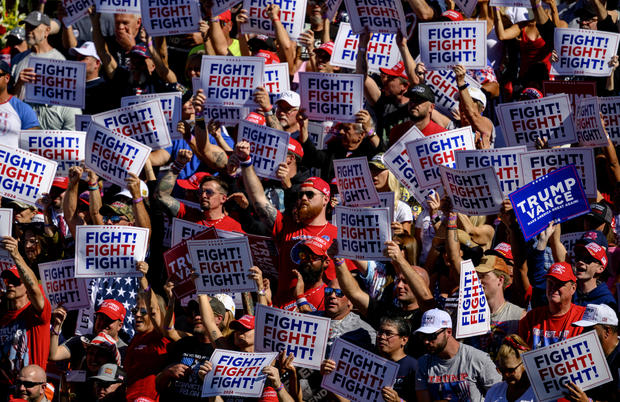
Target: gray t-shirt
point(465, 377)
point(23, 63)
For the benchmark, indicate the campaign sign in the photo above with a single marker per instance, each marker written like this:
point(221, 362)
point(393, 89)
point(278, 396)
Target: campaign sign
point(505, 161)
point(359, 375)
point(113, 156)
point(264, 254)
point(579, 359)
point(219, 6)
point(333, 97)
point(318, 133)
point(222, 265)
point(574, 89)
point(231, 80)
point(276, 80)
point(547, 118)
point(118, 6)
point(474, 315)
point(64, 147)
point(355, 184)
point(362, 232)
point(386, 200)
point(331, 7)
point(236, 374)
point(590, 131)
point(57, 82)
point(82, 121)
point(535, 164)
point(292, 17)
point(102, 251)
point(569, 240)
point(24, 176)
point(385, 16)
point(466, 6)
point(473, 191)
point(557, 196)
point(61, 286)
point(268, 147)
point(183, 230)
point(166, 17)
point(75, 10)
point(381, 51)
point(610, 109)
point(227, 116)
point(303, 335)
point(428, 153)
point(511, 3)
point(171, 105)
point(446, 44)
point(6, 221)
point(6, 263)
point(584, 51)
point(143, 122)
point(443, 85)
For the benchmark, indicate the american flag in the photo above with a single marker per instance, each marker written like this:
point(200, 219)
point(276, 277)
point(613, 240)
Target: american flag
point(123, 290)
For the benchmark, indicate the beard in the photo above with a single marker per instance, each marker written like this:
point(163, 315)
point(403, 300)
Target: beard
point(307, 212)
point(309, 274)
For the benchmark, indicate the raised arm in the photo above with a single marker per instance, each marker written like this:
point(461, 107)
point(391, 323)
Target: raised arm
point(372, 92)
point(208, 318)
point(108, 63)
point(163, 191)
point(70, 200)
point(478, 122)
point(161, 66)
point(287, 49)
point(511, 32)
point(94, 200)
point(418, 285)
point(139, 210)
point(27, 277)
point(58, 352)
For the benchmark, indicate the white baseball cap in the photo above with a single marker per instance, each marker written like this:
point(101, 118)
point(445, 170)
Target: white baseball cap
point(477, 94)
point(290, 97)
point(227, 301)
point(87, 49)
point(434, 320)
point(597, 314)
point(144, 191)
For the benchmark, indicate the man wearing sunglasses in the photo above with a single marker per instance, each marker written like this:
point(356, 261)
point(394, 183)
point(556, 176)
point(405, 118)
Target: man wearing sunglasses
point(590, 263)
point(30, 384)
point(450, 370)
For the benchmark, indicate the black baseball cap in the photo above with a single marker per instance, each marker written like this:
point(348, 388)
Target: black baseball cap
point(421, 91)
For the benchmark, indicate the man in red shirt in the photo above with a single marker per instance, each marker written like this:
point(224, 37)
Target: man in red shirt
point(546, 325)
point(421, 107)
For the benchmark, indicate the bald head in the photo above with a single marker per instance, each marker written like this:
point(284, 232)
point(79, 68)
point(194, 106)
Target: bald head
point(31, 382)
point(35, 372)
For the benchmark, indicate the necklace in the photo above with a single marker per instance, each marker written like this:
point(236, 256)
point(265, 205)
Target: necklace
point(212, 222)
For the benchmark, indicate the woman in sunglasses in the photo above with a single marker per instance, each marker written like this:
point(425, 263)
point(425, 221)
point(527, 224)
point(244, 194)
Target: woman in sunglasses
point(515, 386)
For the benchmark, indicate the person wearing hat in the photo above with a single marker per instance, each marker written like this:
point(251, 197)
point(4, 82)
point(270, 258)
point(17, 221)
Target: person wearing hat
point(98, 97)
point(590, 264)
point(15, 44)
point(604, 321)
point(19, 115)
point(450, 368)
point(52, 206)
point(420, 107)
point(25, 319)
point(109, 383)
point(284, 115)
point(546, 325)
point(599, 218)
point(22, 212)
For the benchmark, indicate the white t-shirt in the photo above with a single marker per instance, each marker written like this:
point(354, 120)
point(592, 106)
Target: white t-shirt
point(403, 212)
point(15, 116)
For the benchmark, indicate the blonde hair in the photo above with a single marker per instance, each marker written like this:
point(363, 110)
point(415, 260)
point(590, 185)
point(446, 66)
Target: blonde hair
point(512, 346)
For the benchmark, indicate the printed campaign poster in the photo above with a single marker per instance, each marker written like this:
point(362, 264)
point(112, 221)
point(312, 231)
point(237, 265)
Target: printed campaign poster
point(584, 52)
point(24, 176)
point(466, 6)
point(227, 116)
point(354, 181)
point(381, 51)
point(303, 335)
point(6, 221)
point(535, 164)
point(113, 156)
point(557, 196)
point(331, 7)
point(574, 89)
point(171, 105)
point(222, 265)
point(511, 3)
point(474, 315)
point(268, 147)
point(318, 133)
point(102, 251)
point(237, 374)
point(118, 6)
point(82, 121)
point(386, 200)
point(143, 122)
point(183, 230)
point(505, 161)
point(219, 6)
point(428, 153)
point(333, 97)
point(61, 286)
point(264, 254)
point(569, 240)
point(231, 80)
point(443, 85)
point(378, 16)
point(610, 109)
point(588, 125)
point(75, 10)
point(292, 17)
point(6, 263)
point(166, 17)
point(57, 82)
point(359, 375)
point(362, 232)
point(64, 147)
point(548, 118)
point(579, 359)
point(446, 44)
point(473, 191)
point(276, 80)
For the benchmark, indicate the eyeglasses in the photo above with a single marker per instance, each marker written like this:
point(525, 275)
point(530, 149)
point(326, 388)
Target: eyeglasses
point(309, 194)
point(386, 334)
point(431, 337)
point(507, 370)
point(338, 292)
point(27, 384)
point(308, 256)
point(142, 311)
point(206, 191)
point(114, 218)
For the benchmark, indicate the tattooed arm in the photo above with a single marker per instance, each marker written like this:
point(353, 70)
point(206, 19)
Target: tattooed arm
point(214, 156)
point(208, 318)
point(261, 97)
point(163, 191)
point(28, 278)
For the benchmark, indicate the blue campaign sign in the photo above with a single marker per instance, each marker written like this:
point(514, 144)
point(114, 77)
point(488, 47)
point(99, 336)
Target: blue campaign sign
point(557, 196)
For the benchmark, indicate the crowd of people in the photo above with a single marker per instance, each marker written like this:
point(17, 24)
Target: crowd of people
point(146, 344)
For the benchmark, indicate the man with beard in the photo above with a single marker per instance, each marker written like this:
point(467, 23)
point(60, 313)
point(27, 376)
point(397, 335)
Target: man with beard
point(30, 385)
point(180, 377)
point(307, 221)
point(212, 193)
point(109, 383)
point(284, 116)
point(450, 370)
point(421, 106)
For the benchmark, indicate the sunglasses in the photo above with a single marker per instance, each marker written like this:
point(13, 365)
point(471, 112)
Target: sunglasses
point(585, 258)
point(309, 194)
point(114, 218)
point(431, 337)
point(507, 370)
point(338, 292)
point(12, 280)
point(207, 191)
point(27, 384)
point(307, 256)
point(142, 311)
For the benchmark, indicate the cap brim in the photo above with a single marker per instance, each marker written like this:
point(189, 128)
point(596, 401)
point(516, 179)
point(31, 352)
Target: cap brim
point(584, 323)
point(104, 378)
point(484, 269)
point(238, 325)
point(427, 330)
point(185, 184)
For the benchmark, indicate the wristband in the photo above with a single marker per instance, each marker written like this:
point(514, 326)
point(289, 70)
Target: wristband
point(138, 200)
point(54, 332)
point(361, 49)
point(170, 328)
point(434, 216)
point(93, 184)
point(538, 5)
point(300, 305)
point(370, 132)
point(93, 188)
point(281, 387)
point(262, 292)
point(462, 87)
point(339, 261)
point(246, 163)
point(269, 113)
point(301, 300)
point(275, 20)
point(214, 19)
point(148, 288)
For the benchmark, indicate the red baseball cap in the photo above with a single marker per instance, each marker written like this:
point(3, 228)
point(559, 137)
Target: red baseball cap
point(317, 245)
point(270, 57)
point(453, 15)
point(12, 270)
point(595, 251)
point(327, 46)
point(295, 147)
point(113, 309)
point(226, 16)
point(61, 182)
point(256, 118)
point(398, 70)
point(193, 182)
point(505, 250)
point(318, 184)
point(562, 271)
point(245, 322)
